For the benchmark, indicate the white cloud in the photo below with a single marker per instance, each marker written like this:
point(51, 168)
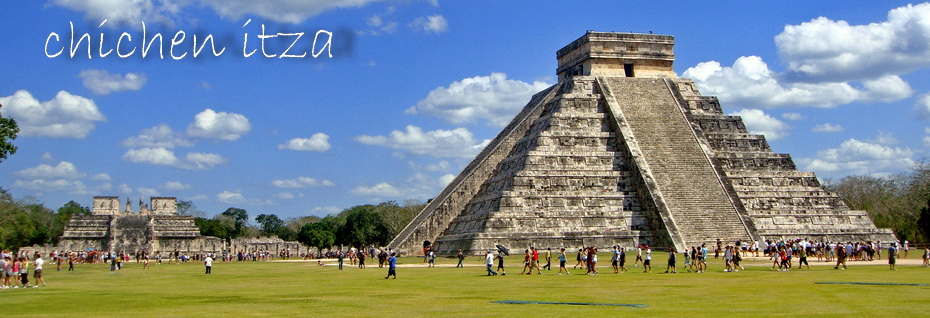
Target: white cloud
point(383, 189)
point(326, 209)
point(124, 189)
point(230, 197)
point(439, 143)
point(175, 186)
point(66, 115)
point(154, 156)
point(446, 179)
point(827, 127)
point(47, 156)
point(149, 192)
point(494, 99)
point(430, 24)
point(290, 11)
point(758, 122)
point(859, 158)
point(161, 156)
point(222, 125)
point(923, 106)
point(124, 11)
point(440, 166)
point(792, 116)
point(56, 185)
point(64, 170)
point(102, 82)
point(285, 196)
point(318, 142)
point(301, 182)
point(380, 25)
point(885, 138)
point(158, 136)
point(824, 49)
point(202, 161)
point(101, 177)
point(750, 83)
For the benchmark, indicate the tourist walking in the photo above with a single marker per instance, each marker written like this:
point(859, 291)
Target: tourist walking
point(24, 272)
point(639, 256)
point(647, 262)
point(841, 257)
point(562, 260)
point(534, 263)
point(489, 261)
point(926, 257)
point(37, 272)
point(615, 259)
point(3, 275)
point(892, 255)
point(500, 262)
point(671, 261)
point(461, 257)
point(622, 260)
point(392, 266)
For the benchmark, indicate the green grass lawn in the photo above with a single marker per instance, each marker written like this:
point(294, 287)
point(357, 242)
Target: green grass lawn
point(305, 289)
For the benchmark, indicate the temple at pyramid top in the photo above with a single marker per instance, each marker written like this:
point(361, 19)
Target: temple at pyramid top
point(617, 54)
point(622, 152)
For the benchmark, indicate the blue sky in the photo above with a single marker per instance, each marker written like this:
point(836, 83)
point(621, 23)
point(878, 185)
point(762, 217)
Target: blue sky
point(415, 88)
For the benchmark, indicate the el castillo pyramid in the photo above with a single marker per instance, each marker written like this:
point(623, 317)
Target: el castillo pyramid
point(621, 151)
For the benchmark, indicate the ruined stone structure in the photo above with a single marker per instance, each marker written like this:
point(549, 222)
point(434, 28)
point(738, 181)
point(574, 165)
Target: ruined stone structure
point(157, 227)
point(621, 151)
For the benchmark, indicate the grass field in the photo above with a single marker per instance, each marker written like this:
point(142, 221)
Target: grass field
point(305, 289)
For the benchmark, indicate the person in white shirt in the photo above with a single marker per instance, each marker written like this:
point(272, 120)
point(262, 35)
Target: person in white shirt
point(37, 274)
point(489, 260)
point(208, 262)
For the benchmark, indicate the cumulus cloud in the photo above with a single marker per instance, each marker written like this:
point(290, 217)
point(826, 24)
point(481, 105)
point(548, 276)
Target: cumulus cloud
point(101, 177)
point(750, 83)
point(175, 186)
point(494, 99)
point(383, 189)
point(64, 170)
point(66, 115)
point(438, 143)
point(158, 136)
point(858, 157)
point(219, 125)
point(149, 192)
point(289, 11)
point(827, 127)
point(825, 49)
point(301, 182)
point(380, 25)
point(102, 82)
point(758, 122)
point(124, 189)
point(446, 179)
point(230, 197)
point(124, 11)
point(56, 185)
point(792, 116)
point(318, 142)
point(430, 24)
point(161, 156)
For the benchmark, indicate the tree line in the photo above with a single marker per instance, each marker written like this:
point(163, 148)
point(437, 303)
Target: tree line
point(361, 225)
point(900, 202)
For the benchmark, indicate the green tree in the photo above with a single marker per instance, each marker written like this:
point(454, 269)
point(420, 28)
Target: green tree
point(213, 227)
point(363, 226)
point(188, 208)
point(65, 212)
point(269, 224)
point(317, 235)
point(8, 131)
point(239, 217)
point(923, 223)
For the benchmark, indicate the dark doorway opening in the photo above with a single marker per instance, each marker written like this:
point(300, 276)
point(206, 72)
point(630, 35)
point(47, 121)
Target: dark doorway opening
point(628, 69)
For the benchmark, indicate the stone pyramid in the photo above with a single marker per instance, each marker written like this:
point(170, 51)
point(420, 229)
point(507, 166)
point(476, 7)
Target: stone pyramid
point(621, 151)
